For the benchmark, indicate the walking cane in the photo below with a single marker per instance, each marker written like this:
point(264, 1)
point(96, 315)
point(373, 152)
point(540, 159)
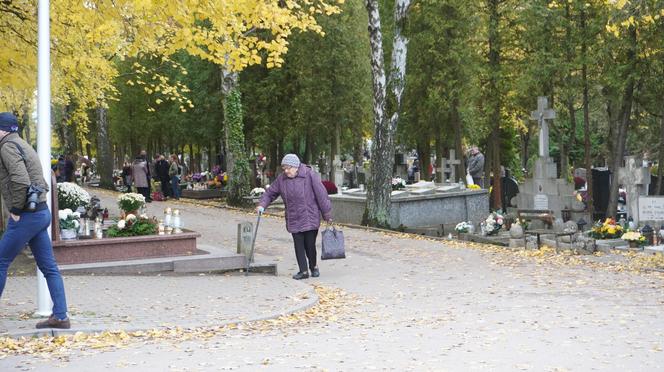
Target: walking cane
point(253, 243)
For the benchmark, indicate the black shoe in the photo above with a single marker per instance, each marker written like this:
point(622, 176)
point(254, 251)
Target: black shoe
point(315, 273)
point(299, 276)
point(53, 322)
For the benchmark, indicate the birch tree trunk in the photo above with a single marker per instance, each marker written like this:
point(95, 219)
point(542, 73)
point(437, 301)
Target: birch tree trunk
point(379, 190)
point(104, 156)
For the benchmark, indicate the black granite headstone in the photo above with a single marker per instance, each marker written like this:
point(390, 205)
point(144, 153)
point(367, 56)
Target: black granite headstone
point(601, 190)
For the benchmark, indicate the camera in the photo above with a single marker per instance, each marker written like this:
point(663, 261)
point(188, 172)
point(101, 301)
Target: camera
point(34, 192)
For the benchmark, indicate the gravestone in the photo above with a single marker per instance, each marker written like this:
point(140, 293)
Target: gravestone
point(601, 187)
point(544, 190)
point(635, 179)
point(450, 166)
point(651, 210)
point(446, 170)
point(338, 172)
point(581, 173)
point(400, 166)
point(245, 234)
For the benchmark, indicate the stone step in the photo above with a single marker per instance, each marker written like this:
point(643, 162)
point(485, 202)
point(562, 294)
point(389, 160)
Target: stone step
point(215, 261)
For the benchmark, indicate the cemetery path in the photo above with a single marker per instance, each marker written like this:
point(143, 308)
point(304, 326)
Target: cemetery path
point(406, 303)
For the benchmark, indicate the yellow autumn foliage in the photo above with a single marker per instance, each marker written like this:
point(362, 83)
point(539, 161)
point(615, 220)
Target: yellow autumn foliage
point(88, 37)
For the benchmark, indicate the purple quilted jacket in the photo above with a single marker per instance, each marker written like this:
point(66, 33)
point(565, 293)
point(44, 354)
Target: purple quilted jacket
point(305, 199)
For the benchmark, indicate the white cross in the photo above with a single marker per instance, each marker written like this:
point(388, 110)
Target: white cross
point(543, 114)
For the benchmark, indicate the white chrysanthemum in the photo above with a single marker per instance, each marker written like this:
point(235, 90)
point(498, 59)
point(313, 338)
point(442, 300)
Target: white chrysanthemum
point(121, 224)
point(130, 217)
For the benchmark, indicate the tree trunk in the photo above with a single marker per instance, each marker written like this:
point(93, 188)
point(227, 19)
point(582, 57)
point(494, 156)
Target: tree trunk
point(458, 128)
point(660, 166)
point(236, 157)
point(379, 190)
point(625, 120)
point(440, 150)
point(586, 117)
point(104, 156)
point(494, 93)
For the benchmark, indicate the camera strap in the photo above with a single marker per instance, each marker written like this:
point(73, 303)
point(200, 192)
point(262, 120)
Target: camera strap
point(20, 151)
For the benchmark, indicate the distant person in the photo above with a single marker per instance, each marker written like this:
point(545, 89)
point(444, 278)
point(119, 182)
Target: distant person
point(305, 199)
point(141, 177)
point(24, 192)
point(126, 176)
point(161, 168)
point(69, 166)
point(476, 166)
point(150, 169)
point(175, 173)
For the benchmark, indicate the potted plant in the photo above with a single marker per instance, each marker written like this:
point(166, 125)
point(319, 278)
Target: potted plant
point(72, 196)
point(69, 223)
point(130, 203)
point(634, 238)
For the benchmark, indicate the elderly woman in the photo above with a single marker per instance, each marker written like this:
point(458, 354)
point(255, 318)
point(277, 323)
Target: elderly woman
point(305, 199)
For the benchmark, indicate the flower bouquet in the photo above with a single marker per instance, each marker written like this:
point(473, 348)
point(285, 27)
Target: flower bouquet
point(71, 196)
point(398, 183)
point(462, 227)
point(133, 226)
point(474, 187)
point(130, 202)
point(493, 223)
point(608, 229)
point(258, 191)
point(634, 238)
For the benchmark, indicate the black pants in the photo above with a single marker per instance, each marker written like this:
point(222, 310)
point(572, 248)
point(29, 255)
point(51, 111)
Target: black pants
point(166, 187)
point(305, 248)
point(145, 191)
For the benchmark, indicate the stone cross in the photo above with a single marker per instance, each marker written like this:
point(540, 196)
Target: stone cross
point(635, 179)
point(450, 165)
point(543, 114)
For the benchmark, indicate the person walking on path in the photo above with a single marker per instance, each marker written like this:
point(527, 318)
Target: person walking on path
point(175, 172)
point(305, 200)
point(476, 166)
point(162, 169)
point(126, 176)
point(24, 191)
point(141, 177)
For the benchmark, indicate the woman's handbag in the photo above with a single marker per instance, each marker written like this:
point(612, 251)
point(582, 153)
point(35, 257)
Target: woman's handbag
point(333, 244)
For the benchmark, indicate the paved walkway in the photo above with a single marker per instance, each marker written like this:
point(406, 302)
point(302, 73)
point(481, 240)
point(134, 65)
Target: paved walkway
point(402, 303)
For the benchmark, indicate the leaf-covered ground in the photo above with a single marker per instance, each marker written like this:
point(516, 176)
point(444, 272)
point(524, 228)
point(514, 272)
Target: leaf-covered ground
point(403, 302)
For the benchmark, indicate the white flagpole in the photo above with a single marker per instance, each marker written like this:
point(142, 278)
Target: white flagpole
point(44, 303)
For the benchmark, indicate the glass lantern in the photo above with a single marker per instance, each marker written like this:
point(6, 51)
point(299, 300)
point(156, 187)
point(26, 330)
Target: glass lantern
point(177, 222)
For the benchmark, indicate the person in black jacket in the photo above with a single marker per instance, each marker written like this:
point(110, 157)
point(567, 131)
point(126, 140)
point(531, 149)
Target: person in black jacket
point(161, 168)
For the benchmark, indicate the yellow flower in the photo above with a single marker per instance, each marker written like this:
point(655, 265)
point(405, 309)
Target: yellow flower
point(611, 230)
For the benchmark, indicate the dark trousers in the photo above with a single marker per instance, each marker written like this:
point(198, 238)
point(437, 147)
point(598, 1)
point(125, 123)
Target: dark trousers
point(145, 191)
point(31, 228)
point(305, 248)
point(166, 187)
